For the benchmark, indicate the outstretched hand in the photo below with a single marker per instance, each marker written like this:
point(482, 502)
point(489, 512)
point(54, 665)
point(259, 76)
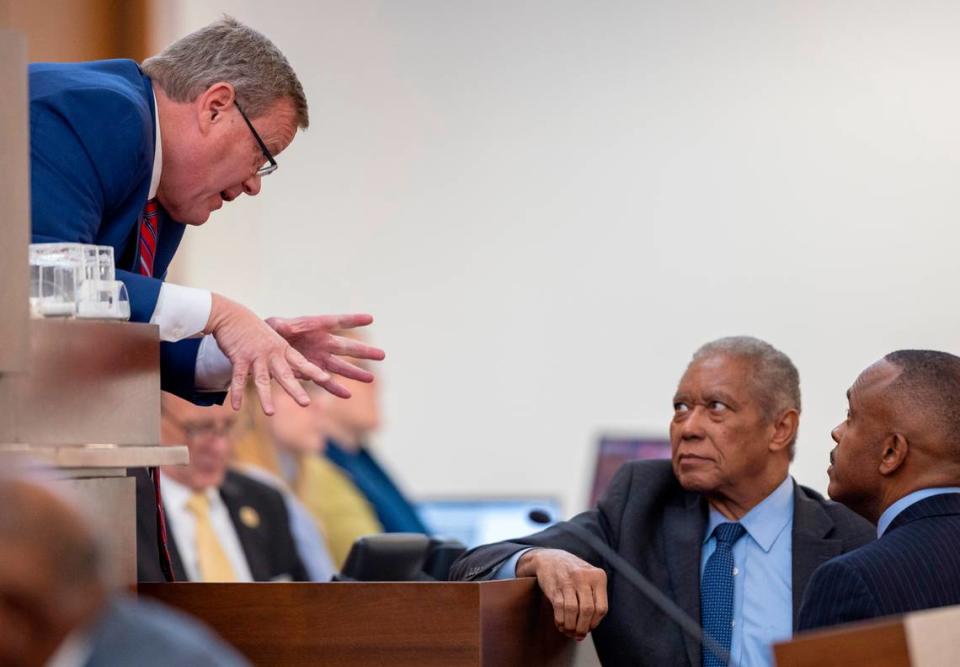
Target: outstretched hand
point(286, 350)
point(311, 337)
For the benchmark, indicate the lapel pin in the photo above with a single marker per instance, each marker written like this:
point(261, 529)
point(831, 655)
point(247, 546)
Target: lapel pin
point(249, 517)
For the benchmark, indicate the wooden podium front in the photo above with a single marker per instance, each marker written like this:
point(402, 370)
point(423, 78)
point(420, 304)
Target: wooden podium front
point(928, 638)
point(492, 623)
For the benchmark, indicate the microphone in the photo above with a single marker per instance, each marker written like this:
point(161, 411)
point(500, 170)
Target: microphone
point(651, 592)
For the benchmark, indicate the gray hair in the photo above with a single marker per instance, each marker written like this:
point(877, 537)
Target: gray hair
point(776, 381)
point(229, 51)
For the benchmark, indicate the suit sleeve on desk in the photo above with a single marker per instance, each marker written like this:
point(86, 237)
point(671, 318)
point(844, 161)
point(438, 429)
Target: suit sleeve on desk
point(509, 568)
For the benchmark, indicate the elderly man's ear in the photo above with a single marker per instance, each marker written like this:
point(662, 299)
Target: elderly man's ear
point(784, 430)
point(894, 453)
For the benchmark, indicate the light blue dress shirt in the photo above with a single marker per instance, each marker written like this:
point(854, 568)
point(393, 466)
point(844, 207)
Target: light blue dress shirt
point(763, 565)
point(894, 510)
point(763, 576)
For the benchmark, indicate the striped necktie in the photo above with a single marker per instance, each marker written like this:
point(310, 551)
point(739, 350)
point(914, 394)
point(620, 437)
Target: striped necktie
point(147, 244)
point(146, 250)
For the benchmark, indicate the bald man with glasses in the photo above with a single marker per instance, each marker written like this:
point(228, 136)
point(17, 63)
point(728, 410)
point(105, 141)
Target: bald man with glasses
point(222, 526)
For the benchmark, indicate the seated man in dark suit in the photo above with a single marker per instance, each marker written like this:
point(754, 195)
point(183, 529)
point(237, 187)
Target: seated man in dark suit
point(723, 529)
point(223, 526)
point(57, 607)
point(897, 463)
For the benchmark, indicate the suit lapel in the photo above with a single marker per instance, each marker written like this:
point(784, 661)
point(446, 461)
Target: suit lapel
point(687, 520)
point(249, 538)
point(811, 547)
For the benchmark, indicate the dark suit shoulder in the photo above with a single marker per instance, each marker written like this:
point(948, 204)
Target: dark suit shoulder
point(848, 526)
point(237, 486)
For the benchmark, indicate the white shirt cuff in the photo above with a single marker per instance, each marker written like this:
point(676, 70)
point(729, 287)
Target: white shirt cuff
point(213, 371)
point(181, 312)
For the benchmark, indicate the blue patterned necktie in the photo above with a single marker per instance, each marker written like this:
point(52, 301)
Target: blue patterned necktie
point(716, 592)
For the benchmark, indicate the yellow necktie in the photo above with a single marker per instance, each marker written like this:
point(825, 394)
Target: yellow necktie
point(211, 558)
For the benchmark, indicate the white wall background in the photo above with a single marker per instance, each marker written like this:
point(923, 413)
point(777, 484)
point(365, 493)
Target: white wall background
point(548, 205)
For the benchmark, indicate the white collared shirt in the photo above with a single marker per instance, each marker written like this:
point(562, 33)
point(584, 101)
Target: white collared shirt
point(183, 524)
point(182, 312)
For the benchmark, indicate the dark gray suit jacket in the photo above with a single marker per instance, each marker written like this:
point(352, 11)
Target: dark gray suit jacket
point(650, 520)
point(269, 546)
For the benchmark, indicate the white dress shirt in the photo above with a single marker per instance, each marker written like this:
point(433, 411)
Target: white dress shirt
point(183, 524)
point(182, 312)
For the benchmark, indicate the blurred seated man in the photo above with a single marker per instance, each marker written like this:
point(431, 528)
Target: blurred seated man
point(282, 450)
point(896, 463)
point(722, 528)
point(57, 608)
point(349, 425)
point(223, 526)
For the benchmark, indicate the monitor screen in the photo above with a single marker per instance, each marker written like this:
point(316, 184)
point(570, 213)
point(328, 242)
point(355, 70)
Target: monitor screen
point(476, 521)
point(614, 451)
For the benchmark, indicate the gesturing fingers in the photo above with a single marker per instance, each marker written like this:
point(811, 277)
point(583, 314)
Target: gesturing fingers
point(261, 381)
point(282, 373)
point(237, 382)
point(348, 370)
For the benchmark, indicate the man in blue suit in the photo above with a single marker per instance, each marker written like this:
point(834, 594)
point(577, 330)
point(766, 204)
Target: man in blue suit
point(128, 156)
point(896, 463)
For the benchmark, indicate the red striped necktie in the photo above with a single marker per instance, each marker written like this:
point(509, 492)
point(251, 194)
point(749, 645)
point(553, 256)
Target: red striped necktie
point(146, 250)
point(147, 243)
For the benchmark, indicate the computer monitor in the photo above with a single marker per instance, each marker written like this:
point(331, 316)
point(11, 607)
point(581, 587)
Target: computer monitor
point(476, 521)
point(614, 451)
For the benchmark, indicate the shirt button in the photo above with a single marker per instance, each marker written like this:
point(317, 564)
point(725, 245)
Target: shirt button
point(733, 624)
point(736, 571)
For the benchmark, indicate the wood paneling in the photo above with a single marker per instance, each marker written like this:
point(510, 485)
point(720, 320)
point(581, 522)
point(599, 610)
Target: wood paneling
point(438, 624)
point(87, 382)
point(875, 644)
point(71, 30)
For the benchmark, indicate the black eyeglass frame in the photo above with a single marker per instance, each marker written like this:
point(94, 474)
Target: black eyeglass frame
point(267, 169)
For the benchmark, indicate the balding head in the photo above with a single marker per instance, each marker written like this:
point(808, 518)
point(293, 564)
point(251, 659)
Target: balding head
point(899, 434)
point(923, 396)
point(51, 571)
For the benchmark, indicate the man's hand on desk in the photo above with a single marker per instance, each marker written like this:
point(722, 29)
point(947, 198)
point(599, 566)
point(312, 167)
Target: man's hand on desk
point(576, 589)
point(268, 350)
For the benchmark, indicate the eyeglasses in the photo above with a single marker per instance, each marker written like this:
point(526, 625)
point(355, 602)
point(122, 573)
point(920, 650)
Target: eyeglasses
point(204, 431)
point(270, 165)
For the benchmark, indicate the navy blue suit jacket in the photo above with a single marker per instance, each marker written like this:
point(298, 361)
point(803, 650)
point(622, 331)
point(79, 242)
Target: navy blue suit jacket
point(92, 140)
point(913, 566)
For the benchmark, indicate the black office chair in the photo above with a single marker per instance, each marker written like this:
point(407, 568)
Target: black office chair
point(400, 557)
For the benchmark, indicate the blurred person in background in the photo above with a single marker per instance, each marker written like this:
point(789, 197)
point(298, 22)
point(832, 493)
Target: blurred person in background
point(57, 607)
point(224, 526)
point(348, 426)
point(287, 448)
